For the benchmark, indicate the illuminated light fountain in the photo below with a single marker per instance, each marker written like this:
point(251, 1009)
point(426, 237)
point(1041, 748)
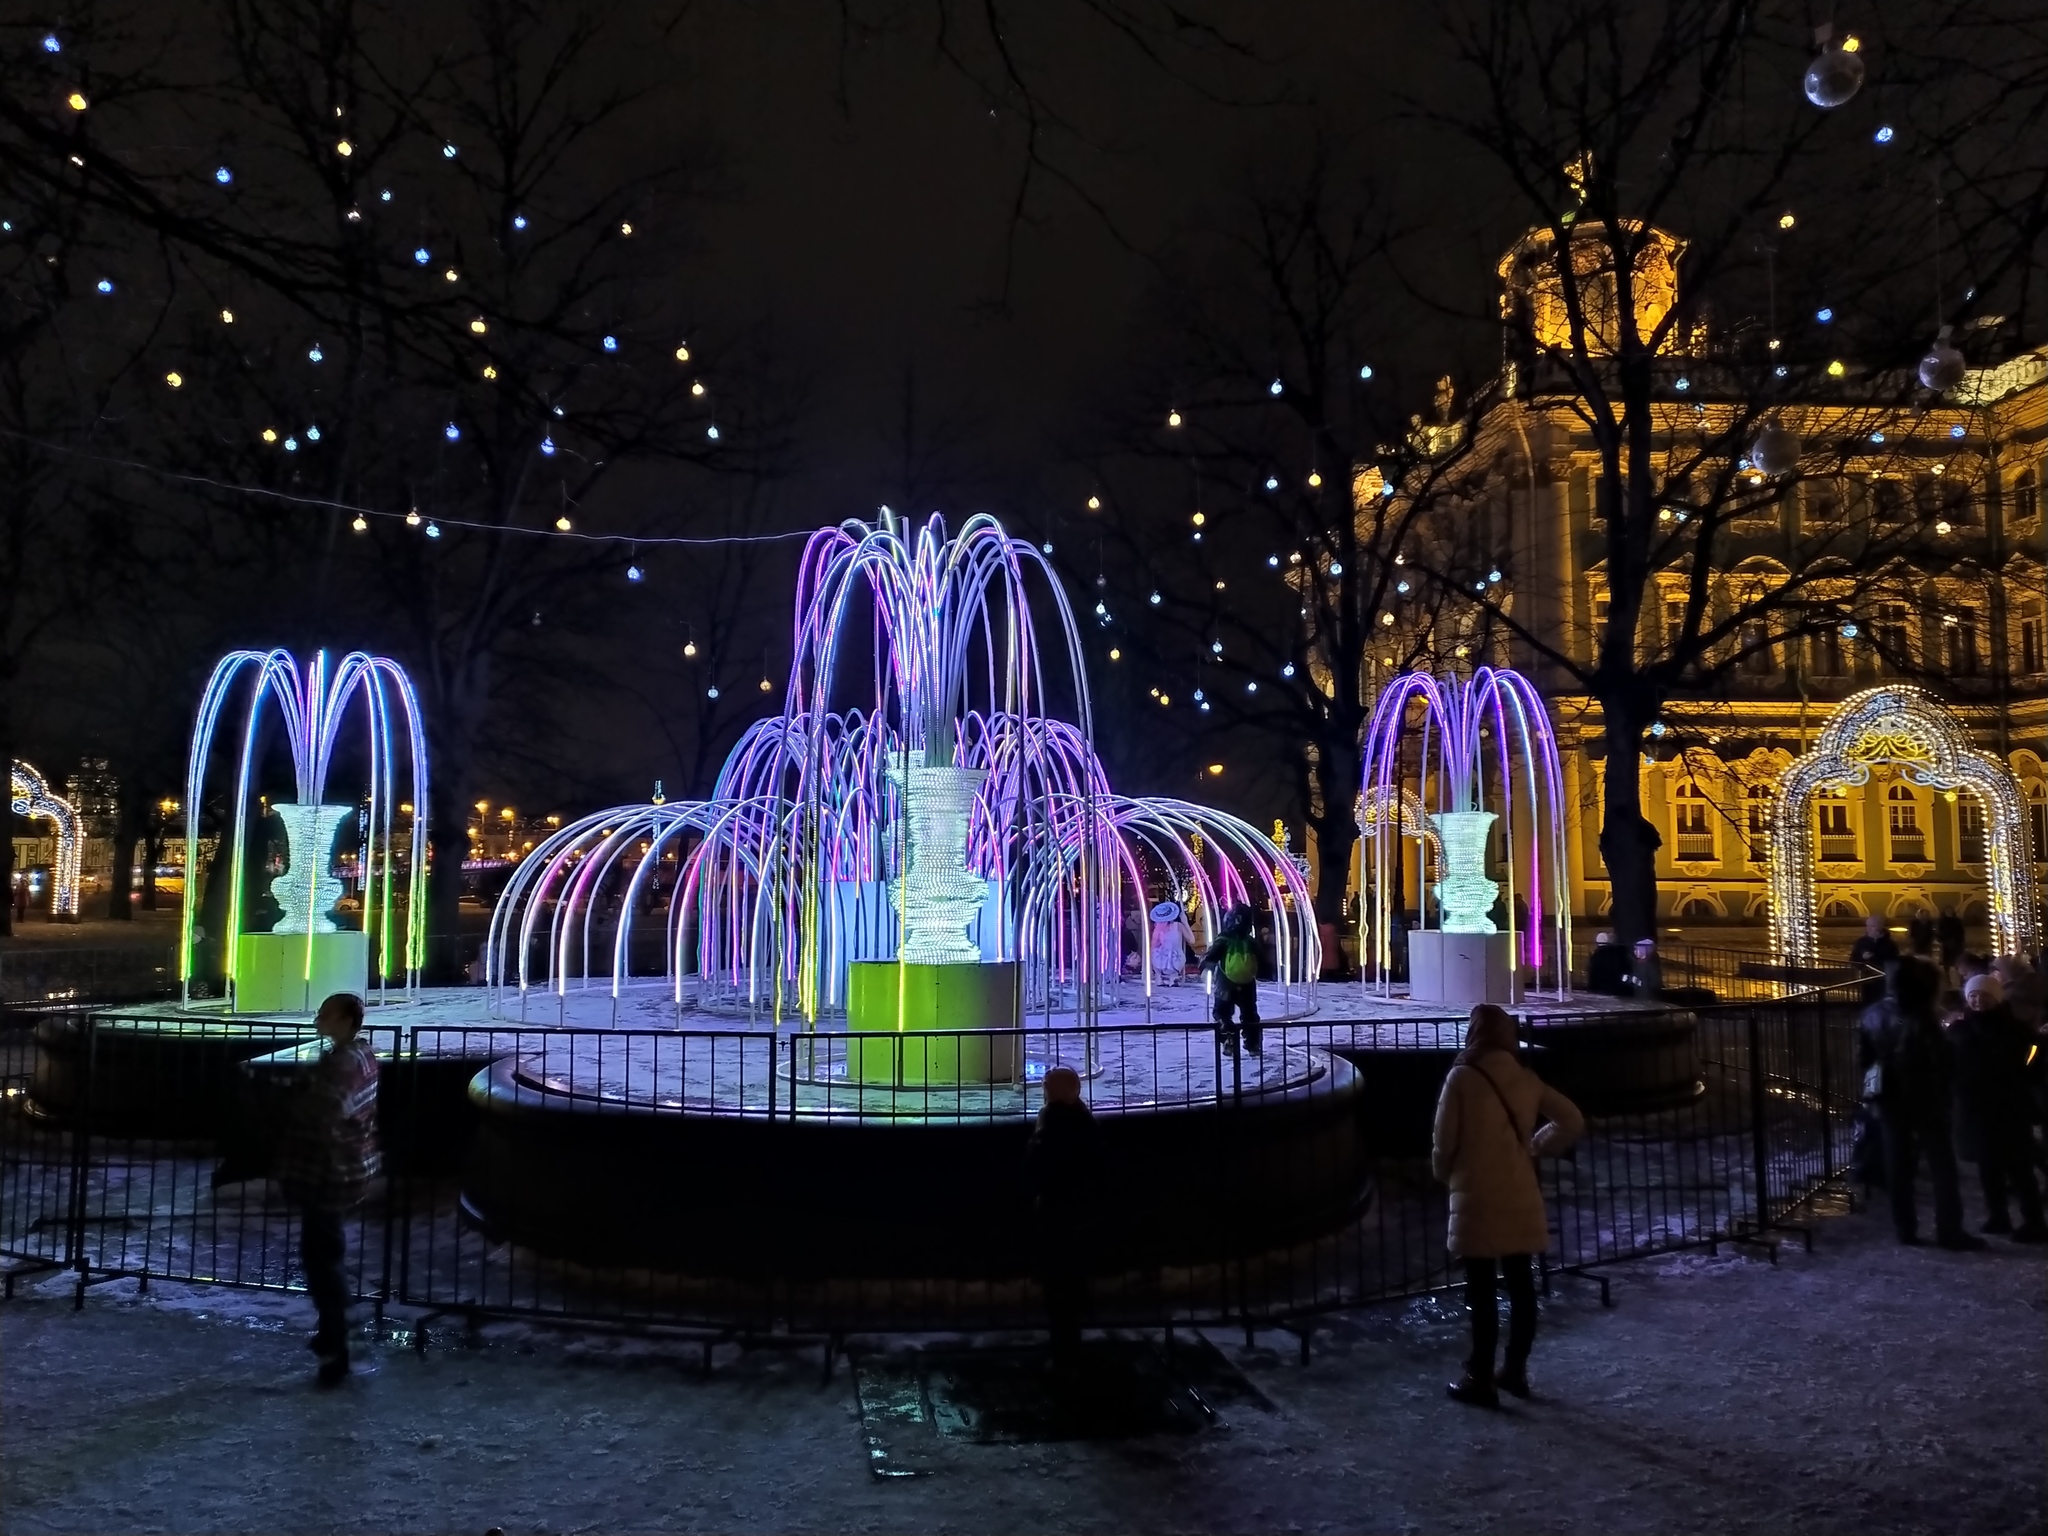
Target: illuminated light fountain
point(1485, 754)
point(916, 842)
point(30, 796)
point(307, 954)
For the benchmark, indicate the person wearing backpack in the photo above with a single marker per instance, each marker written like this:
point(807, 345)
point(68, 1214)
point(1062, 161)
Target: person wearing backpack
point(1234, 957)
point(1494, 1119)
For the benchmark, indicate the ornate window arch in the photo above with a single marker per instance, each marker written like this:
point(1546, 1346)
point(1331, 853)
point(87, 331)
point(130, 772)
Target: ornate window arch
point(31, 797)
point(1908, 727)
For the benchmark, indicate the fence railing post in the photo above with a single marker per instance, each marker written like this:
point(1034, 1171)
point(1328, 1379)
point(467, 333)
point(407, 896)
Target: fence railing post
point(81, 1163)
point(1760, 1161)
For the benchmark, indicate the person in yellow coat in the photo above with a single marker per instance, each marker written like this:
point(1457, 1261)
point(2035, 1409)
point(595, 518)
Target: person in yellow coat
point(1495, 1118)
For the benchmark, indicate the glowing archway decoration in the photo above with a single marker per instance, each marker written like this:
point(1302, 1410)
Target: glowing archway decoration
point(918, 671)
point(1909, 727)
point(31, 797)
point(314, 707)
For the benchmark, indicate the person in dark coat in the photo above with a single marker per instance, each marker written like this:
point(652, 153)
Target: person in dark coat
point(1909, 1073)
point(1061, 1170)
point(1920, 936)
point(1993, 1116)
point(1235, 959)
point(1607, 966)
point(329, 1156)
point(1948, 937)
point(1875, 949)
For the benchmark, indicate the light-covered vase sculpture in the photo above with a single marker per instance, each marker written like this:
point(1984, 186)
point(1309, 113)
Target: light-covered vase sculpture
point(308, 889)
point(1464, 895)
point(937, 896)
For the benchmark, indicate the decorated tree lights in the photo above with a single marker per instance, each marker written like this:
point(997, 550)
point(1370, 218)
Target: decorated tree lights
point(1484, 754)
point(307, 954)
point(916, 842)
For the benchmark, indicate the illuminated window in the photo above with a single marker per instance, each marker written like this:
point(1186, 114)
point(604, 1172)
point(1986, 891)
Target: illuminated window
point(2037, 820)
point(1692, 820)
point(2031, 633)
point(1909, 843)
point(1960, 643)
point(1757, 821)
point(1837, 835)
point(2026, 496)
point(1894, 635)
point(1827, 653)
point(1969, 830)
point(1759, 655)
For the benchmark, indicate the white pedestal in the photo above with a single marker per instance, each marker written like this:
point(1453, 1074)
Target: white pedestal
point(1462, 967)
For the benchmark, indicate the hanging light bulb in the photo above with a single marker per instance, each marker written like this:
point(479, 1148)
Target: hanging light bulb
point(683, 353)
point(223, 175)
point(562, 523)
point(1173, 418)
point(547, 446)
point(76, 101)
point(1775, 451)
point(412, 518)
point(1275, 387)
point(689, 650)
point(1288, 670)
point(314, 354)
point(1943, 367)
point(634, 573)
point(1836, 73)
point(766, 686)
point(421, 255)
point(1094, 503)
point(1155, 599)
point(175, 379)
point(1272, 482)
point(433, 530)
point(452, 432)
point(344, 149)
point(1314, 478)
point(611, 343)
point(711, 692)
point(361, 524)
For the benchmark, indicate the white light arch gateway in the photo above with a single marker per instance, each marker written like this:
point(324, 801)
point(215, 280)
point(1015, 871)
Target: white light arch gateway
point(1911, 728)
point(30, 795)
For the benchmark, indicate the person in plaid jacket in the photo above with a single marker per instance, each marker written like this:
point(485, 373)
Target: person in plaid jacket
point(329, 1156)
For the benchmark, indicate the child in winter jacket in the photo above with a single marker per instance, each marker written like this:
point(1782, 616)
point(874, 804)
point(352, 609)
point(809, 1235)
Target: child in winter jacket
point(1234, 957)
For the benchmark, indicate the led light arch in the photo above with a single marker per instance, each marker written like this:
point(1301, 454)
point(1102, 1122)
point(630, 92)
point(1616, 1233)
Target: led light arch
point(314, 707)
point(1486, 753)
point(1910, 728)
point(916, 655)
point(31, 796)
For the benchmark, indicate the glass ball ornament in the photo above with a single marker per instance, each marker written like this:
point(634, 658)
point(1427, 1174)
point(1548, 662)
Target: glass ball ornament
point(1775, 451)
point(1943, 367)
point(1835, 75)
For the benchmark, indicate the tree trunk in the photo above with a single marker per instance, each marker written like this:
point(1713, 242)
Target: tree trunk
point(1336, 828)
point(127, 832)
point(152, 855)
point(1628, 842)
point(448, 836)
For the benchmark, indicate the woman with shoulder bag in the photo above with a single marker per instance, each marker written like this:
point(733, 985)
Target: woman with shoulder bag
point(1495, 1118)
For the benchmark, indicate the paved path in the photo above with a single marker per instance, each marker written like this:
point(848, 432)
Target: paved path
point(1863, 1388)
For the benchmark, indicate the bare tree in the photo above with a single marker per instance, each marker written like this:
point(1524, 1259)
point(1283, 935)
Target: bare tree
point(1765, 340)
point(1255, 563)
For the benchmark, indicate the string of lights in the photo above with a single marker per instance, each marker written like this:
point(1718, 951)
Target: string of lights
point(412, 516)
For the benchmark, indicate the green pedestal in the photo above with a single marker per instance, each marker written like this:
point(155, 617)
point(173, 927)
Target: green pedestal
point(941, 998)
point(271, 970)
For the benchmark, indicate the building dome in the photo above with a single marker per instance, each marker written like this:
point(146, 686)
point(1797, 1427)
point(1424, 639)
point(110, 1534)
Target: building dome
point(1533, 285)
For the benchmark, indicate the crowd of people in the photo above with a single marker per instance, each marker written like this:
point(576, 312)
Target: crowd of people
point(1953, 1067)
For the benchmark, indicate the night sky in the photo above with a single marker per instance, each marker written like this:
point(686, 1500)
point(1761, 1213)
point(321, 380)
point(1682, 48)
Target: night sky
point(874, 230)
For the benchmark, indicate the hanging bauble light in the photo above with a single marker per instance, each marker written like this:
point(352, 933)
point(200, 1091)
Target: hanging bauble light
point(1943, 366)
point(1836, 73)
point(1775, 451)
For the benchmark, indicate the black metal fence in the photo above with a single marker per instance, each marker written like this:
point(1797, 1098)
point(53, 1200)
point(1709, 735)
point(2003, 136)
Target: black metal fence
point(142, 1148)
